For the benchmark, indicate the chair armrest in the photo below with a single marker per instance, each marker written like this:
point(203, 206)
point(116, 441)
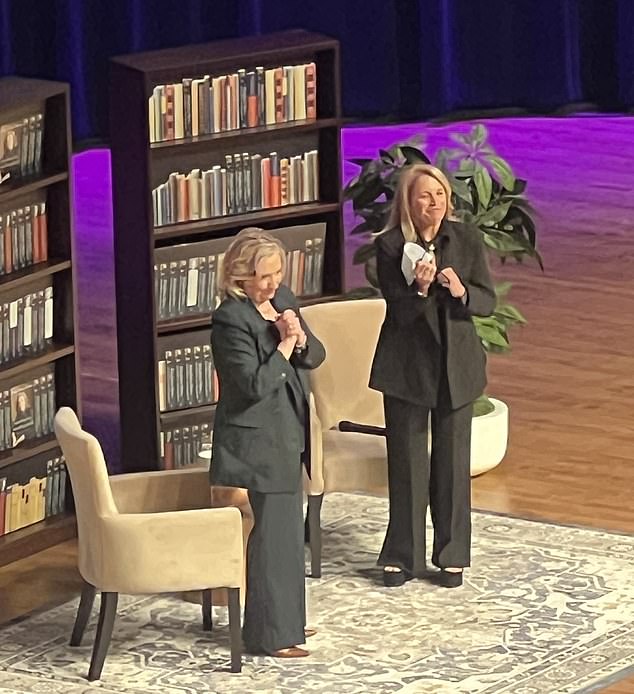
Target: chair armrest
point(163, 490)
point(172, 551)
point(345, 425)
point(314, 484)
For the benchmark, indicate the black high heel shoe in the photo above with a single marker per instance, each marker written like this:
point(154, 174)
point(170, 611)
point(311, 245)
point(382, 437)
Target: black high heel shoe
point(448, 579)
point(396, 577)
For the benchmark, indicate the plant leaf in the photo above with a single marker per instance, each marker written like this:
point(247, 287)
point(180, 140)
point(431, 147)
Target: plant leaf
point(414, 156)
point(482, 180)
point(491, 335)
point(364, 253)
point(494, 215)
point(502, 289)
point(482, 406)
point(371, 273)
point(479, 134)
point(502, 171)
point(510, 312)
point(462, 190)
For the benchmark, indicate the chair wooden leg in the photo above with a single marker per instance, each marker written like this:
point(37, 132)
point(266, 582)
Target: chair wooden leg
point(314, 524)
point(234, 629)
point(83, 613)
point(107, 613)
point(208, 624)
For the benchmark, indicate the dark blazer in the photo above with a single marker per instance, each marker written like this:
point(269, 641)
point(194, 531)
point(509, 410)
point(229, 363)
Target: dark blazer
point(258, 427)
point(409, 357)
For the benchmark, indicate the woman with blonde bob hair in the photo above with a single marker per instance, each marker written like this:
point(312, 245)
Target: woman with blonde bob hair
point(244, 254)
point(262, 351)
point(430, 366)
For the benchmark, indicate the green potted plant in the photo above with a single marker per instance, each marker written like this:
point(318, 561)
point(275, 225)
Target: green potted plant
point(487, 194)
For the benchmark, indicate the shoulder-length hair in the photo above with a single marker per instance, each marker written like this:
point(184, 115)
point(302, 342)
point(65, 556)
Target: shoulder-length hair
point(400, 212)
point(242, 257)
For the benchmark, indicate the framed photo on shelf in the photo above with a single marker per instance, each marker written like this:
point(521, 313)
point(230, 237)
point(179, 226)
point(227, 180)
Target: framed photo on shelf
point(22, 421)
point(10, 141)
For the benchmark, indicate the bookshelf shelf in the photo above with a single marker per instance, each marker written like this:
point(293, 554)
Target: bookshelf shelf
point(179, 325)
point(34, 538)
point(27, 450)
point(182, 324)
point(53, 353)
point(25, 186)
point(308, 152)
point(220, 224)
point(35, 272)
point(234, 137)
point(178, 415)
point(38, 305)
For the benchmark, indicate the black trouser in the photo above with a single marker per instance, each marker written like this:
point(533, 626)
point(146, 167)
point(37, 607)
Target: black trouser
point(415, 481)
point(275, 609)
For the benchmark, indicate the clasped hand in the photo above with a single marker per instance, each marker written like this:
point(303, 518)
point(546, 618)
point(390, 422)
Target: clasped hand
point(290, 327)
point(426, 273)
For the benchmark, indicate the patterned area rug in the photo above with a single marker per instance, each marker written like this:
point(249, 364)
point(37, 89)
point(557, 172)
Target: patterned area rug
point(544, 609)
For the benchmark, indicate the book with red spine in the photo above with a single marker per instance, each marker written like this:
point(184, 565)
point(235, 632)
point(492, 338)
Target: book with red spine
point(265, 165)
point(278, 81)
point(311, 91)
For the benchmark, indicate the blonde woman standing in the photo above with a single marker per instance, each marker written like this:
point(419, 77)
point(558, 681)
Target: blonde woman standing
point(262, 350)
point(429, 361)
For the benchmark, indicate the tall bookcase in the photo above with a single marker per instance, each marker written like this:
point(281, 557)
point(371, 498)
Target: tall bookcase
point(139, 166)
point(38, 357)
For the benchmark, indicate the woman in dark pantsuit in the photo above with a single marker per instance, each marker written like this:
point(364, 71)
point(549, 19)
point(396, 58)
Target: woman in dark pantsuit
point(262, 350)
point(430, 365)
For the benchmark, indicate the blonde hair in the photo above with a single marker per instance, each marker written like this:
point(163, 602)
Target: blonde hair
point(248, 248)
point(400, 213)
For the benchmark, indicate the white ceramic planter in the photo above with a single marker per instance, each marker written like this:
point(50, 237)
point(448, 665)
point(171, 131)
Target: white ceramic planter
point(489, 438)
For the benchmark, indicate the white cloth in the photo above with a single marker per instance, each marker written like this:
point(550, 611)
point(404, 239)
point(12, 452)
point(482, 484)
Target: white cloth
point(412, 254)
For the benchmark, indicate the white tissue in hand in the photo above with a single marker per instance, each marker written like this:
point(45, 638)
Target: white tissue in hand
point(412, 254)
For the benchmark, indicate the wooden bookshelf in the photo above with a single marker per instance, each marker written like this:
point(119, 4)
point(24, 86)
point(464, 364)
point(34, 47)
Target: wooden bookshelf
point(138, 166)
point(50, 184)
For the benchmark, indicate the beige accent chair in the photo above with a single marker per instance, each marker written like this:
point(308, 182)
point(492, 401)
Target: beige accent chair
point(148, 532)
point(344, 461)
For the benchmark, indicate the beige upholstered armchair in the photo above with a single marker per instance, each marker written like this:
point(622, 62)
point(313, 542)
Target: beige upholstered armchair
point(344, 460)
point(147, 533)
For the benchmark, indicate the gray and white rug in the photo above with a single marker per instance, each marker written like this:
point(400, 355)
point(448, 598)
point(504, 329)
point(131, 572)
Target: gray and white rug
point(544, 609)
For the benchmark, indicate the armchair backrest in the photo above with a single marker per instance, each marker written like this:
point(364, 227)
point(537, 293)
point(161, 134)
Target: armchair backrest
point(349, 331)
point(91, 488)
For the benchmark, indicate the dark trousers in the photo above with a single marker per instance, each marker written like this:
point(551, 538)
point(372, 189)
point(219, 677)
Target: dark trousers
point(416, 481)
point(275, 609)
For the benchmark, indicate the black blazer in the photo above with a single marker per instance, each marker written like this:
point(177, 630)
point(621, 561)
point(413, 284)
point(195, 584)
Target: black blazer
point(258, 428)
point(409, 357)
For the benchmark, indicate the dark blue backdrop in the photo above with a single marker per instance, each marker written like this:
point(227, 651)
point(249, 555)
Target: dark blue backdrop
point(403, 59)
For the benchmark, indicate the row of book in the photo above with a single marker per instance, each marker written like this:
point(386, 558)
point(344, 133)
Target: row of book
point(247, 182)
point(304, 268)
point(193, 286)
point(21, 147)
point(187, 378)
point(39, 498)
point(181, 446)
point(23, 238)
point(26, 325)
point(242, 99)
point(187, 287)
point(27, 411)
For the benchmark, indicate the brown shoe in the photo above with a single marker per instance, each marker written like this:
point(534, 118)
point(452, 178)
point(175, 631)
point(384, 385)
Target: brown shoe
point(309, 632)
point(292, 652)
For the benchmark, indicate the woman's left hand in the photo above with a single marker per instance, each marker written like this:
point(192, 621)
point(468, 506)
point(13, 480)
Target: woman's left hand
point(293, 327)
point(448, 278)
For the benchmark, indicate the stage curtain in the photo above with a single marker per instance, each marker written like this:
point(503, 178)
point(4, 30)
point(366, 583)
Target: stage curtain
point(401, 59)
